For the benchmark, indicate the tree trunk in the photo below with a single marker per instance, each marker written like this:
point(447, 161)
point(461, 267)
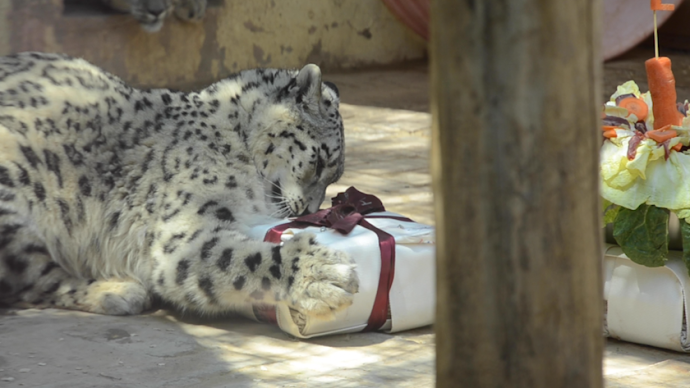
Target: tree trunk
point(515, 102)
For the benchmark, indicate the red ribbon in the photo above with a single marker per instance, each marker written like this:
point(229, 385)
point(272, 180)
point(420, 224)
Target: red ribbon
point(348, 210)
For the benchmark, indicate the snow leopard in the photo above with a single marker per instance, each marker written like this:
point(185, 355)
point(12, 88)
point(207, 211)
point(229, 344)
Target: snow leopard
point(152, 13)
point(112, 196)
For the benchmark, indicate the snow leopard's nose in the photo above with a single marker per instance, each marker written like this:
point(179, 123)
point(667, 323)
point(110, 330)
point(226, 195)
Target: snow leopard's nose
point(156, 12)
point(157, 8)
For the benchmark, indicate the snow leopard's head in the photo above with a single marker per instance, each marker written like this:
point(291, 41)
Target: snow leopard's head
point(300, 149)
point(149, 13)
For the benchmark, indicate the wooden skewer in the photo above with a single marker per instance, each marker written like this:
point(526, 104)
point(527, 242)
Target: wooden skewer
point(657, 5)
point(656, 39)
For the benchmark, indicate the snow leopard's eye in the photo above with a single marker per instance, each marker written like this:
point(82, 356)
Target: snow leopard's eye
point(313, 174)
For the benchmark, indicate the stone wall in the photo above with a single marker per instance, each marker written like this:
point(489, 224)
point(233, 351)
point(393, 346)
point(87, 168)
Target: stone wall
point(235, 35)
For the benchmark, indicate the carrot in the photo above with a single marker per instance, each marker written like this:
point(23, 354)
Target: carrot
point(656, 5)
point(662, 86)
point(661, 135)
point(609, 134)
point(609, 127)
point(677, 147)
point(635, 106)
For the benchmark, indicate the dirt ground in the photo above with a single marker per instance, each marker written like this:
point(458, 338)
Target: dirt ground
point(387, 136)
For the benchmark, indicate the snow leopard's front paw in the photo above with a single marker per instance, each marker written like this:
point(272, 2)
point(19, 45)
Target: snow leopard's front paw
point(322, 281)
point(115, 297)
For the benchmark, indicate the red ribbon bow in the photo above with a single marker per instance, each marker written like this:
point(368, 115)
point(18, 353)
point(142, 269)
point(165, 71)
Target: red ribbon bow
point(349, 210)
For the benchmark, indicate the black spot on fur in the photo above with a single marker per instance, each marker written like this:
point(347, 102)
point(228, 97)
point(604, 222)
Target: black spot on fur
point(84, 186)
point(211, 181)
point(161, 279)
point(194, 235)
point(275, 271)
point(207, 247)
point(29, 249)
point(270, 149)
point(265, 283)
point(15, 264)
point(166, 98)
point(225, 259)
point(53, 164)
point(73, 155)
point(40, 191)
point(170, 246)
point(224, 214)
point(52, 288)
point(239, 283)
point(205, 206)
point(23, 175)
point(182, 272)
point(291, 280)
point(320, 164)
point(6, 212)
point(300, 145)
point(253, 261)
point(31, 156)
point(7, 233)
point(49, 267)
point(114, 219)
point(64, 212)
point(231, 183)
point(6, 196)
point(5, 178)
point(206, 285)
point(167, 217)
point(275, 254)
point(295, 261)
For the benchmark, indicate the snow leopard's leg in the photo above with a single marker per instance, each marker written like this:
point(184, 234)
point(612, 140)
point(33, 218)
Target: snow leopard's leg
point(29, 277)
point(214, 272)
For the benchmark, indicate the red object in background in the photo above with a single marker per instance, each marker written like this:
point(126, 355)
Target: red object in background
point(626, 22)
point(414, 13)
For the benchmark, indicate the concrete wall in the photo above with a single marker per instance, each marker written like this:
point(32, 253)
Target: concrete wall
point(235, 35)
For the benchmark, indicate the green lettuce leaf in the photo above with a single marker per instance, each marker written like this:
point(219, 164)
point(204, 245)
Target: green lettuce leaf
point(685, 232)
point(643, 234)
point(610, 211)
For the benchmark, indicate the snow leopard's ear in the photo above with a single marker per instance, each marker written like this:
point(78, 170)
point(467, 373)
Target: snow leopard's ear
point(331, 92)
point(309, 83)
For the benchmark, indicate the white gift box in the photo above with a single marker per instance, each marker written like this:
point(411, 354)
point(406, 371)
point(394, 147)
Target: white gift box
point(646, 305)
point(412, 295)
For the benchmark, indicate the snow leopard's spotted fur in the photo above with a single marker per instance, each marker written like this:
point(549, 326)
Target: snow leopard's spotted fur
point(110, 195)
point(152, 13)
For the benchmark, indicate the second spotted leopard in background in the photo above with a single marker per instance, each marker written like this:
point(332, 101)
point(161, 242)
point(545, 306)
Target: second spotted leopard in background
point(152, 13)
point(110, 195)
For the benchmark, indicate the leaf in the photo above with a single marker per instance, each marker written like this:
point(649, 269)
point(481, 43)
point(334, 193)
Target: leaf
point(643, 234)
point(610, 211)
point(685, 233)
